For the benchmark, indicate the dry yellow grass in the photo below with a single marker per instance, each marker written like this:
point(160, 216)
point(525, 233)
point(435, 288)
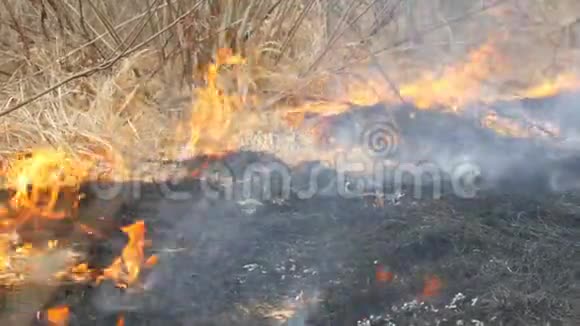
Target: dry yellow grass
point(124, 69)
point(116, 75)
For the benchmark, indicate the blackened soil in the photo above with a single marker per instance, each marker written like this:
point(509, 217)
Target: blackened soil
point(506, 259)
point(509, 256)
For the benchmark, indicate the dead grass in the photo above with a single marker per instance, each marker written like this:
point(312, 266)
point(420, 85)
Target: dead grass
point(105, 74)
point(128, 68)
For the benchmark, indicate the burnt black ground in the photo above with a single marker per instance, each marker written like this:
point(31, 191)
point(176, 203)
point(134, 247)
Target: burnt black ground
point(512, 252)
point(229, 263)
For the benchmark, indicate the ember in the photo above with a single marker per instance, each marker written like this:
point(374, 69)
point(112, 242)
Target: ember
point(432, 287)
point(121, 321)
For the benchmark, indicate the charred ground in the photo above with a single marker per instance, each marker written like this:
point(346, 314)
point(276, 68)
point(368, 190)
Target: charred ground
point(508, 256)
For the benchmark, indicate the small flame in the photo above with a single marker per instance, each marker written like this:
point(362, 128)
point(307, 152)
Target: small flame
point(517, 129)
point(562, 83)
point(58, 316)
point(125, 269)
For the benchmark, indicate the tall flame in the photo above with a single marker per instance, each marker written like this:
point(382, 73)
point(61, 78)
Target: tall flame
point(213, 109)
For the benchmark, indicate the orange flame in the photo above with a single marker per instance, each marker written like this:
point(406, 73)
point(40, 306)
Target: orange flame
point(58, 316)
point(121, 321)
point(562, 83)
point(125, 269)
point(454, 89)
point(213, 109)
point(457, 85)
point(39, 179)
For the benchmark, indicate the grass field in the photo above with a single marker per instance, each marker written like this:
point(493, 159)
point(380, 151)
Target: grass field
point(147, 81)
point(102, 75)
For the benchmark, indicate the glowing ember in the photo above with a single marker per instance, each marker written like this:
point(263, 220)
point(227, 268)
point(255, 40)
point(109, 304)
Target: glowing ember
point(432, 286)
point(383, 275)
point(121, 321)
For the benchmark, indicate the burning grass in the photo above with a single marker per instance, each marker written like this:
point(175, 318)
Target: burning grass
point(86, 83)
point(124, 74)
point(44, 195)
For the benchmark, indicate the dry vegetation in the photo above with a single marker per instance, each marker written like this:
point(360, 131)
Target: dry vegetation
point(92, 75)
point(117, 75)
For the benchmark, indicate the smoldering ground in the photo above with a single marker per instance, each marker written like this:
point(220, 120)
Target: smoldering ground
point(257, 259)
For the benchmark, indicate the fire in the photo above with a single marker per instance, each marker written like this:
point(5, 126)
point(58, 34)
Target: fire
point(58, 316)
point(517, 129)
point(383, 274)
point(432, 286)
point(296, 116)
point(121, 321)
point(213, 109)
point(366, 93)
point(456, 88)
point(40, 178)
point(43, 184)
point(125, 269)
point(503, 126)
point(565, 82)
point(458, 85)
